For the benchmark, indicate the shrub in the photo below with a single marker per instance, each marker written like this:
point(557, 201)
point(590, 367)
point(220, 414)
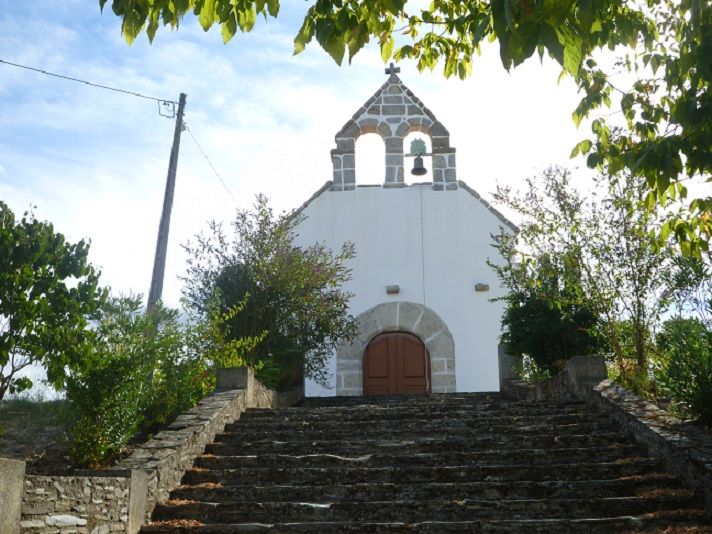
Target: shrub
point(294, 306)
point(142, 378)
point(685, 368)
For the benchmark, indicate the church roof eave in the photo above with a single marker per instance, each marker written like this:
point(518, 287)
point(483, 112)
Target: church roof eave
point(327, 186)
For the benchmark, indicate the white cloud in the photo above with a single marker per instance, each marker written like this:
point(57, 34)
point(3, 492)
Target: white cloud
point(94, 162)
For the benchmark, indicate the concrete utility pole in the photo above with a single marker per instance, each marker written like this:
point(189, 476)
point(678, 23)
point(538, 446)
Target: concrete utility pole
point(159, 261)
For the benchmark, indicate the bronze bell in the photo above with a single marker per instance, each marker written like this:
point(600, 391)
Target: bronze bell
point(418, 168)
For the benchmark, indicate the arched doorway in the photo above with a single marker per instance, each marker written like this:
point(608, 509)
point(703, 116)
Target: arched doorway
point(396, 363)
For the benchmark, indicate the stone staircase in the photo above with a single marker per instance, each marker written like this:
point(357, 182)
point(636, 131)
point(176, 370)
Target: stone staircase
point(444, 463)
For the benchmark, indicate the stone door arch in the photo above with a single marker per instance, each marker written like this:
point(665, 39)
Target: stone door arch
point(409, 317)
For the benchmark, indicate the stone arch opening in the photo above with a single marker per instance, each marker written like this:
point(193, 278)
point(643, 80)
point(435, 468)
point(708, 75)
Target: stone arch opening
point(370, 155)
point(409, 317)
point(427, 161)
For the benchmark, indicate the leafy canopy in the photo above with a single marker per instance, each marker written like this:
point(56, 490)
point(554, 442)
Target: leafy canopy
point(667, 110)
point(48, 290)
point(286, 300)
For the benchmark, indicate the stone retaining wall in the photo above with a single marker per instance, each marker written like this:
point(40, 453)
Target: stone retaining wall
point(686, 449)
point(100, 502)
point(97, 504)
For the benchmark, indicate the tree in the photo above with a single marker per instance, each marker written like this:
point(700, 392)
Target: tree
point(547, 317)
point(667, 136)
point(612, 260)
point(48, 290)
point(290, 298)
point(147, 370)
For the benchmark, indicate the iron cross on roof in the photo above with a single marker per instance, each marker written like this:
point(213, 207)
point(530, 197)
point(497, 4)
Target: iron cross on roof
point(392, 69)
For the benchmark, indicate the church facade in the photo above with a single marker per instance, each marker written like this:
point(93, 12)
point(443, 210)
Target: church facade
point(422, 287)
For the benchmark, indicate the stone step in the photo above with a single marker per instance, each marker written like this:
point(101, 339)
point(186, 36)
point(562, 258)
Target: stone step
point(669, 521)
point(446, 398)
point(423, 406)
point(471, 420)
point(357, 432)
point(432, 510)
point(520, 489)
point(483, 457)
point(296, 445)
point(454, 411)
point(408, 475)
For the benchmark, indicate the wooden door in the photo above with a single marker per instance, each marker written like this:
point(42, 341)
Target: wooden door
point(396, 364)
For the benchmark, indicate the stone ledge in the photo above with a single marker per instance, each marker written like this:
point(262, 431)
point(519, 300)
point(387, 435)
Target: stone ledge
point(121, 499)
point(687, 451)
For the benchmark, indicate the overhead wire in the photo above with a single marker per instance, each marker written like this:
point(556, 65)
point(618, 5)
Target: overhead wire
point(136, 94)
point(85, 82)
point(215, 171)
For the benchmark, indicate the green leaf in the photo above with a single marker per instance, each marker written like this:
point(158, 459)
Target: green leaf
point(273, 7)
point(207, 14)
point(387, 48)
point(304, 36)
point(229, 28)
point(581, 148)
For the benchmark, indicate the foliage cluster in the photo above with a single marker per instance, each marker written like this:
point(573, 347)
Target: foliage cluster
point(290, 298)
point(47, 291)
point(666, 134)
point(593, 268)
point(684, 368)
point(144, 375)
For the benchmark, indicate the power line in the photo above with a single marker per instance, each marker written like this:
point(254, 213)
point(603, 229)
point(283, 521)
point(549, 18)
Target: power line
point(200, 148)
point(85, 82)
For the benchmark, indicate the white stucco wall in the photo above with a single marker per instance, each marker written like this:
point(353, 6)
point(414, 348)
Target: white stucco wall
point(434, 245)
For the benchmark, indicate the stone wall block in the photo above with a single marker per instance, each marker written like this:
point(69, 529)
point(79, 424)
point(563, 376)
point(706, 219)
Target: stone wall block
point(398, 110)
point(349, 161)
point(441, 346)
point(394, 89)
point(350, 130)
point(394, 160)
point(409, 315)
point(439, 161)
point(338, 177)
point(366, 126)
point(12, 473)
point(385, 129)
point(345, 145)
point(394, 145)
point(439, 143)
point(390, 174)
point(450, 175)
point(437, 129)
point(349, 176)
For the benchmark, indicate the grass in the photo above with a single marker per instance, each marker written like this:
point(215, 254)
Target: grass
point(31, 426)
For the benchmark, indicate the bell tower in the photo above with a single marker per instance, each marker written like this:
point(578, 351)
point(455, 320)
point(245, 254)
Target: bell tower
point(393, 112)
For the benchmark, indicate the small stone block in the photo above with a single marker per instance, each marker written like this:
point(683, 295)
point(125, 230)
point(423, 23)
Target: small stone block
point(393, 289)
point(481, 287)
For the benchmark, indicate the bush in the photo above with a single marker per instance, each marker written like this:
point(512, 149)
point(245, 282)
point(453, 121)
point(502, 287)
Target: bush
point(142, 378)
point(295, 310)
point(684, 371)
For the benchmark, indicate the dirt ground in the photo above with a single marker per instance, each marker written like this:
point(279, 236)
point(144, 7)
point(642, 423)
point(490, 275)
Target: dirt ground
point(35, 431)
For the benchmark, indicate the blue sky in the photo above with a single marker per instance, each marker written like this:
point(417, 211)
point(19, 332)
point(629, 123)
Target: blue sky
point(94, 162)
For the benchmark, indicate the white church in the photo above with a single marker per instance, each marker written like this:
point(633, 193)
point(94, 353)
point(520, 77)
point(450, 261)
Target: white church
point(422, 287)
